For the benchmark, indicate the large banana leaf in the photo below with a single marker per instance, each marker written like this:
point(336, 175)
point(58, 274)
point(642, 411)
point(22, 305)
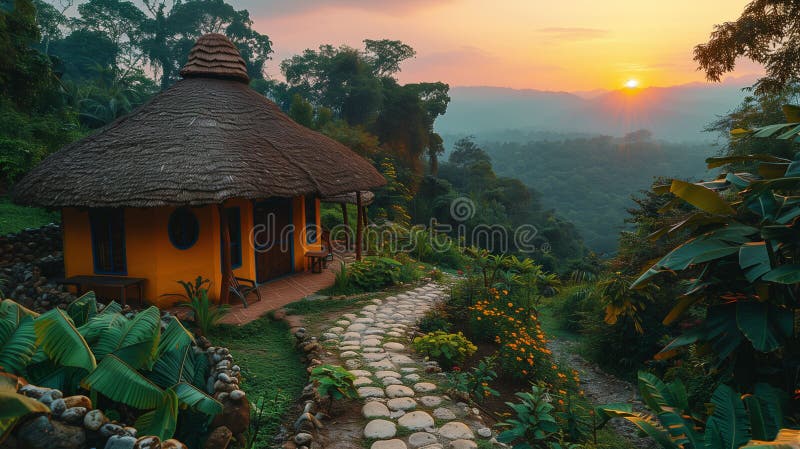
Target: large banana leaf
point(12, 311)
point(714, 162)
point(111, 308)
point(82, 309)
point(655, 393)
point(729, 420)
point(92, 330)
point(62, 342)
point(175, 336)
point(701, 197)
point(761, 425)
point(765, 325)
point(641, 421)
point(784, 274)
point(754, 260)
point(197, 399)
point(120, 382)
point(15, 406)
point(17, 344)
point(172, 367)
point(136, 342)
point(162, 421)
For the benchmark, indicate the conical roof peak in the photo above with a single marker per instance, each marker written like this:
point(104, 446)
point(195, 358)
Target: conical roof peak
point(215, 56)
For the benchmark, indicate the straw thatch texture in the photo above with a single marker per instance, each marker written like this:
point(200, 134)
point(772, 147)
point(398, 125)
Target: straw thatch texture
point(202, 141)
point(215, 56)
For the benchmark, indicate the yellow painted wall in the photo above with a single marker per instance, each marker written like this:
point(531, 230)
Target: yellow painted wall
point(151, 255)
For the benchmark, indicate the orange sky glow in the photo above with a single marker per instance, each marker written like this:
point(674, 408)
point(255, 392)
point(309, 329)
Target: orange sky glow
point(569, 45)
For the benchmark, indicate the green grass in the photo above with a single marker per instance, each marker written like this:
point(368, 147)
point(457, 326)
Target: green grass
point(14, 218)
point(551, 324)
point(271, 369)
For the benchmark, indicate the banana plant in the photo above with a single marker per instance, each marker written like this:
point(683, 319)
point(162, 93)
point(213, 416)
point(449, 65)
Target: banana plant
point(129, 361)
point(740, 255)
point(747, 422)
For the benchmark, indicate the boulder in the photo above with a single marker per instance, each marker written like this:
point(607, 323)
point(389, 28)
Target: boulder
point(74, 415)
point(220, 438)
point(78, 401)
point(235, 414)
point(94, 420)
point(42, 433)
point(148, 442)
point(120, 442)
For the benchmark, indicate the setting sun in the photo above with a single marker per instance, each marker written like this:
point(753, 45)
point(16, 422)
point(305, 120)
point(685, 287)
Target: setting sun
point(632, 84)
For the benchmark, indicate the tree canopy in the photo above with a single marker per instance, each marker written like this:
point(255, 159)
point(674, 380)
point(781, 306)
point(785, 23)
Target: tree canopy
point(766, 33)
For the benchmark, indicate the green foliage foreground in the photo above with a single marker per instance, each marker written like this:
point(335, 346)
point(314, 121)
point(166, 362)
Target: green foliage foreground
point(129, 362)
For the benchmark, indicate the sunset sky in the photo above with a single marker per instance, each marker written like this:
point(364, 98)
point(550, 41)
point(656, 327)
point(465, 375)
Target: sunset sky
point(555, 45)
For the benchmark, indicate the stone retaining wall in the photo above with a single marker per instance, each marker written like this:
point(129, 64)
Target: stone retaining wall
point(30, 245)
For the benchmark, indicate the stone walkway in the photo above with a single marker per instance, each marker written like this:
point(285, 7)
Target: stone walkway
point(404, 404)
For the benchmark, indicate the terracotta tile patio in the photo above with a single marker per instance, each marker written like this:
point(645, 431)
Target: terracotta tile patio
point(278, 293)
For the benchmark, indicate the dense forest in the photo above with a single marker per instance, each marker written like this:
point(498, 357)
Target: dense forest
point(590, 180)
point(73, 69)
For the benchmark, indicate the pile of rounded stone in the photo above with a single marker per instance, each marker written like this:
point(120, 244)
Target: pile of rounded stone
point(74, 424)
point(28, 285)
point(31, 244)
point(223, 383)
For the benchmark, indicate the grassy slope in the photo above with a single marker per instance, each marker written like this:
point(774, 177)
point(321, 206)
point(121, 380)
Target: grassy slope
point(14, 218)
point(271, 368)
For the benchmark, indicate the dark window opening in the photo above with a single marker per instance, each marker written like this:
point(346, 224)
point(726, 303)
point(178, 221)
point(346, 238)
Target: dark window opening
point(108, 240)
point(183, 228)
point(235, 229)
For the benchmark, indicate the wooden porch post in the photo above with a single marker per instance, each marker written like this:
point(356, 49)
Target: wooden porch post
point(227, 271)
point(359, 225)
point(346, 221)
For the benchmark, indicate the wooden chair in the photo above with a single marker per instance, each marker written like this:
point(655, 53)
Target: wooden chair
point(242, 288)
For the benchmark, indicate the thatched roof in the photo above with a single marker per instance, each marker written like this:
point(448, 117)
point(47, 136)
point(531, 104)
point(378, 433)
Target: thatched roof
point(367, 198)
point(206, 139)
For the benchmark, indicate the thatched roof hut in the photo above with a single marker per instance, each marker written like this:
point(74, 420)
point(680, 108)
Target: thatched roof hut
point(206, 139)
point(207, 179)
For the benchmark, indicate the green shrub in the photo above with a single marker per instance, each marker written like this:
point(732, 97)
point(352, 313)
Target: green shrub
point(205, 314)
point(334, 382)
point(435, 319)
point(447, 349)
point(476, 383)
point(533, 423)
point(374, 273)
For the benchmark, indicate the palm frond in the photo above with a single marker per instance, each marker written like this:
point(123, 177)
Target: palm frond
point(120, 382)
point(61, 341)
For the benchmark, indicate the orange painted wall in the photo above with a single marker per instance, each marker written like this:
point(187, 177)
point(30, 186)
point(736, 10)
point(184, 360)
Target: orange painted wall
point(300, 243)
point(151, 255)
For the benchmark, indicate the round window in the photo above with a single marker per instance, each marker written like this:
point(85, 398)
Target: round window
point(183, 228)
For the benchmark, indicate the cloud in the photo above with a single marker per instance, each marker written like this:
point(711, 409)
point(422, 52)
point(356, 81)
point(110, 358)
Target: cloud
point(293, 7)
point(574, 33)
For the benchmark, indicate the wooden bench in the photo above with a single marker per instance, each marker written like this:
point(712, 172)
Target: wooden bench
point(86, 282)
point(319, 259)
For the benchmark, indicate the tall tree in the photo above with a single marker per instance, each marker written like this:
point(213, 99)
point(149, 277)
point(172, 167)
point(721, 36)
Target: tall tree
point(767, 32)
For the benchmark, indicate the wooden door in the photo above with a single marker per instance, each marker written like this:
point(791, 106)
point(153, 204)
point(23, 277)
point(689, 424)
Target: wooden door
point(274, 238)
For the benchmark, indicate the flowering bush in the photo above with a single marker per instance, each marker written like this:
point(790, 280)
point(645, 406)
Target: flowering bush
point(447, 349)
point(523, 349)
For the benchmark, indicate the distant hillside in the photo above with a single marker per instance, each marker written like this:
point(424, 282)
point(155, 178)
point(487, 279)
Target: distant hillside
point(676, 113)
point(589, 181)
